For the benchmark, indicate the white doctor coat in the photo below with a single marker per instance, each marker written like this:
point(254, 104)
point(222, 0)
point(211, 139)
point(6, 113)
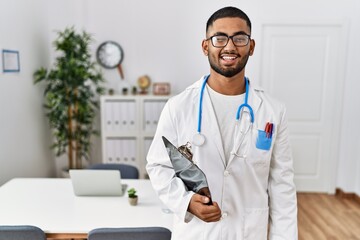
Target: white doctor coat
point(253, 189)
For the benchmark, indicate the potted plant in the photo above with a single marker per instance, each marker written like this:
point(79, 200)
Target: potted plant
point(71, 88)
point(133, 198)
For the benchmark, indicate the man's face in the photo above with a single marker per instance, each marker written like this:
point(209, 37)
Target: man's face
point(229, 60)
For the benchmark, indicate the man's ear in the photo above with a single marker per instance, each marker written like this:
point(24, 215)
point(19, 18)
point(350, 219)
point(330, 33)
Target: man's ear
point(252, 46)
point(205, 47)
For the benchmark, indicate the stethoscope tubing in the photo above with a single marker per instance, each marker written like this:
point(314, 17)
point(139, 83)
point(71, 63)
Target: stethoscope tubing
point(244, 105)
point(201, 137)
point(200, 103)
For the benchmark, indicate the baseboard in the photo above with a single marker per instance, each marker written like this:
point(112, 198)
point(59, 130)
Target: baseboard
point(341, 194)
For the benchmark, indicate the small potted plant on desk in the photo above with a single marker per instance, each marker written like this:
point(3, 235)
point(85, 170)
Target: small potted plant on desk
point(133, 198)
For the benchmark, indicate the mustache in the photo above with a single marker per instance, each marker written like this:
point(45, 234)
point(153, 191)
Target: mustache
point(230, 53)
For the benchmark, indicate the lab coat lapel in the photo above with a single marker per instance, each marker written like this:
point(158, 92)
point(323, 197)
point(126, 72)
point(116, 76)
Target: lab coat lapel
point(210, 126)
point(254, 101)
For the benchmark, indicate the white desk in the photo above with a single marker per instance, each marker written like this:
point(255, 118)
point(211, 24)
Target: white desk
point(50, 204)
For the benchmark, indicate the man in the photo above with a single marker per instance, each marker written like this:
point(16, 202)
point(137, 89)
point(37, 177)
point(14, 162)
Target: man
point(239, 139)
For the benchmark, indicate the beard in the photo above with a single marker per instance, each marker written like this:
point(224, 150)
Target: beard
point(229, 72)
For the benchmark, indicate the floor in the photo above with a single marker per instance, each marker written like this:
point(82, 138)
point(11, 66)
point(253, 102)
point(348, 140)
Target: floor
point(328, 217)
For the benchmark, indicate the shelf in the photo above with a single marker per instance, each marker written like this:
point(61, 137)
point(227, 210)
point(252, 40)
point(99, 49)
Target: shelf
point(128, 124)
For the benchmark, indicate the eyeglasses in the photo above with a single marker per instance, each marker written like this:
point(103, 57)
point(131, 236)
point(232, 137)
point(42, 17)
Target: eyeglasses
point(239, 40)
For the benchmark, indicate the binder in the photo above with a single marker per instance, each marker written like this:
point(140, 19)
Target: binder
point(147, 116)
point(125, 153)
point(154, 115)
point(118, 150)
point(108, 116)
point(124, 115)
point(159, 107)
point(110, 150)
point(116, 115)
point(132, 116)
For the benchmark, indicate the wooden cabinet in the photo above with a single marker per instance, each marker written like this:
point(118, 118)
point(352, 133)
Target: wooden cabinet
point(128, 124)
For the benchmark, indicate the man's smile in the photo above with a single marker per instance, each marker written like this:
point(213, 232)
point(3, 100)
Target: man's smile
point(228, 59)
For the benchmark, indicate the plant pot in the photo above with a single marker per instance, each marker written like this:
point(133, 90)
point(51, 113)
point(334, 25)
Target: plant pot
point(133, 201)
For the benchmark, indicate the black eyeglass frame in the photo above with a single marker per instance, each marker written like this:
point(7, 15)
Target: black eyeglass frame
point(228, 37)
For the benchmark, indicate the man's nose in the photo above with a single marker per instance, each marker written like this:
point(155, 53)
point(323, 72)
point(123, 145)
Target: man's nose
point(230, 45)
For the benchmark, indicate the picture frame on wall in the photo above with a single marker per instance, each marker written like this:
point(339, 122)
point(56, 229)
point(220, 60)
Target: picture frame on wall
point(161, 88)
point(10, 61)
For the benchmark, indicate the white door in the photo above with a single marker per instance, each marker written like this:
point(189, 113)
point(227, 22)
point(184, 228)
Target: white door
point(302, 65)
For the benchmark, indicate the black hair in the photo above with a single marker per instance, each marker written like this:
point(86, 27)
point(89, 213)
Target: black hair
point(231, 12)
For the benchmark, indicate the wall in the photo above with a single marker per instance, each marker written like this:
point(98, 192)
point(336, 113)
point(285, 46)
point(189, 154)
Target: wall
point(24, 137)
point(162, 39)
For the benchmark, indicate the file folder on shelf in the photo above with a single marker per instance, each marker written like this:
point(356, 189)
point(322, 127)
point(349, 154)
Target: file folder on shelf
point(128, 124)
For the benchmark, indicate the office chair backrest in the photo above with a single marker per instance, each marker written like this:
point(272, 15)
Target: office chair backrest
point(126, 171)
point(140, 233)
point(21, 232)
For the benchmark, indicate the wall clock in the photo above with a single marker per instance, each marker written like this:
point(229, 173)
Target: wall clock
point(110, 55)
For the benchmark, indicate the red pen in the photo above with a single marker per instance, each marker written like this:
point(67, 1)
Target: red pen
point(267, 129)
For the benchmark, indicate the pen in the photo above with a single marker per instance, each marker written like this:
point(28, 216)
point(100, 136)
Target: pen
point(267, 129)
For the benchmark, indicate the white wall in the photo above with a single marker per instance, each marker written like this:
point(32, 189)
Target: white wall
point(24, 136)
point(162, 39)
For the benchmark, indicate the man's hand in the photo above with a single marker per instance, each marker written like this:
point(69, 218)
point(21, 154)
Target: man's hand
point(208, 213)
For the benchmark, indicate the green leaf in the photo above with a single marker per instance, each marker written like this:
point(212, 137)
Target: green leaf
point(72, 86)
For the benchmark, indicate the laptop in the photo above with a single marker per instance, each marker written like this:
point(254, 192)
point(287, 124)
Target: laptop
point(91, 182)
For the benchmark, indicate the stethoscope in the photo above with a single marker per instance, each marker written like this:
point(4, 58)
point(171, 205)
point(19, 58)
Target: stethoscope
point(199, 138)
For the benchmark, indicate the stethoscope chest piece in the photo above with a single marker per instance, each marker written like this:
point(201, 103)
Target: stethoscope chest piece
point(198, 139)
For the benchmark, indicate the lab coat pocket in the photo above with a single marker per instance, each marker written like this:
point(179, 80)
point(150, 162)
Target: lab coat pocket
point(263, 141)
point(255, 223)
point(259, 157)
